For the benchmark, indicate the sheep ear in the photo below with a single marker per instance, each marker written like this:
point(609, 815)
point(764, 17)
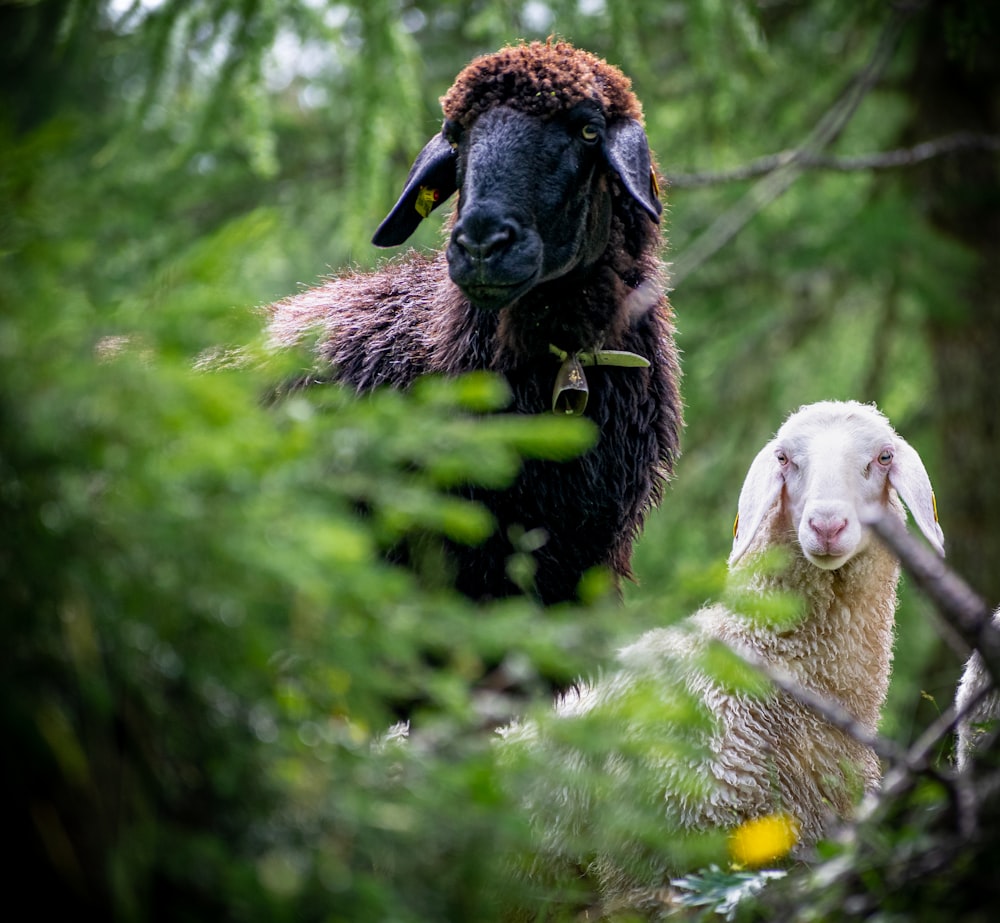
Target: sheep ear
point(628, 154)
point(761, 490)
point(432, 179)
point(910, 479)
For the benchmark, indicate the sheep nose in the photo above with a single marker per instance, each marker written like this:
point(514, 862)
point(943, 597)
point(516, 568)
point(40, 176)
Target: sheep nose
point(483, 236)
point(827, 528)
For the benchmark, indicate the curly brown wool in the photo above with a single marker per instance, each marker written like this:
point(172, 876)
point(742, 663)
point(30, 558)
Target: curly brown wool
point(540, 78)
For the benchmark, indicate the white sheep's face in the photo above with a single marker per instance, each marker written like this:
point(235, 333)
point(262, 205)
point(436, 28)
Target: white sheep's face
point(831, 476)
point(829, 468)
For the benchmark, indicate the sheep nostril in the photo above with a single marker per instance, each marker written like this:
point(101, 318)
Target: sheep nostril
point(480, 241)
point(481, 249)
point(827, 529)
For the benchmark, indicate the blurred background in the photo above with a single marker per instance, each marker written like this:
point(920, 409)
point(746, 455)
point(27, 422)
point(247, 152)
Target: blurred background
point(200, 638)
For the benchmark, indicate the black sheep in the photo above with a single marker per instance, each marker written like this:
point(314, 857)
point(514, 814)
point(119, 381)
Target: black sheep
point(551, 272)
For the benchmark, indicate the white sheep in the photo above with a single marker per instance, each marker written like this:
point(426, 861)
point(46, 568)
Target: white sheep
point(974, 726)
point(808, 492)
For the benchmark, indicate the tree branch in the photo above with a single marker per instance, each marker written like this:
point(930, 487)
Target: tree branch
point(776, 183)
point(829, 709)
point(882, 160)
point(961, 609)
point(968, 618)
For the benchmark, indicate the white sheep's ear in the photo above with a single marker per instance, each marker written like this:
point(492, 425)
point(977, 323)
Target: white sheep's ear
point(910, 479)
point(761, 490)
point(432, 179)
point(628, 153)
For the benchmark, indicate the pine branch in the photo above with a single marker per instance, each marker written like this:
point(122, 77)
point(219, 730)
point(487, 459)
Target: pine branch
point(806, 160)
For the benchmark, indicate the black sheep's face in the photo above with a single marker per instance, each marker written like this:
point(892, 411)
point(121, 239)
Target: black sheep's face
point(534, 196)
point(533, 204)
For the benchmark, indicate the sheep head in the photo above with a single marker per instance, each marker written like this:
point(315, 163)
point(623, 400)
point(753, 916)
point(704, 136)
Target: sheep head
point(543, 142)
point(828, 466)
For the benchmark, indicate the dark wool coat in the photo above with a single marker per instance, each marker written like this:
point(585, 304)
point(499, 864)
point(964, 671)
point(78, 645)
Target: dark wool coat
point(409, 318)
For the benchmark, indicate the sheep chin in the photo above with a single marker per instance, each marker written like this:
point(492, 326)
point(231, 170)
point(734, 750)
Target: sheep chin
point(827, 557)
point(495, 297)
point(825, 561)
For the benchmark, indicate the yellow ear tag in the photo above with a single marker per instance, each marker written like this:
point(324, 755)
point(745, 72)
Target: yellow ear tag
point(934, 505)
point(736, 525)
point(654, 183)
point(426, 200)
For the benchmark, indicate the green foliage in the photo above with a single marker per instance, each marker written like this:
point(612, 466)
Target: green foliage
point(720, 893)
point(593, 783)
point(201, 637)
point(203, 645)
point(772, 610)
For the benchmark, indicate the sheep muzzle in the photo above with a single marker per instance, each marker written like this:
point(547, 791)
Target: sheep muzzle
point(493, 257)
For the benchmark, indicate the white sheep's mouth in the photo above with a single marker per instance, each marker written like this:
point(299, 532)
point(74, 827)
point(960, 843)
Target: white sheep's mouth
point(825, 560)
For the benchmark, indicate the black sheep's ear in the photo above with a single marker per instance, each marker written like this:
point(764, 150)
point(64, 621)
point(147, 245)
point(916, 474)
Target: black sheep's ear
point(432, 179)
point(628, 154)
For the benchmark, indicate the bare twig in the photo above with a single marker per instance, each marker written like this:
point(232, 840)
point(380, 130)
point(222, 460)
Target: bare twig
point(961, 609)
point(900, 777)
point(892, 808)
point(806, 160)
point(967, 616)
point(829, 709)
point(776, 183)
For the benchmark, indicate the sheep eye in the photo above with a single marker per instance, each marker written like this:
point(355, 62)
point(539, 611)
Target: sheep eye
point(781, 457)
point(589, 132)
point(885, 458)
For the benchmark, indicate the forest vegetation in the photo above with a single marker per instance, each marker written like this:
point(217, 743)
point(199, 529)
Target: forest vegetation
point(202, 641)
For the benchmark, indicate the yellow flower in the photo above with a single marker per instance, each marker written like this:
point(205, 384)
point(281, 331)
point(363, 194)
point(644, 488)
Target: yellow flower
point(763, 839)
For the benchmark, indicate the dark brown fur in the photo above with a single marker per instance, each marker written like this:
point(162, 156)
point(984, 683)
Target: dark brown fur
point(408, 319)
